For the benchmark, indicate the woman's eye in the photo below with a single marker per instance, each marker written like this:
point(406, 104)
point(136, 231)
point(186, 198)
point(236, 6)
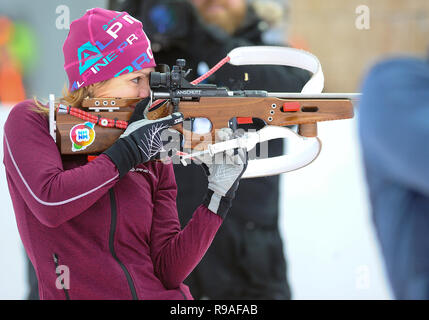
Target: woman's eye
point(136, 80)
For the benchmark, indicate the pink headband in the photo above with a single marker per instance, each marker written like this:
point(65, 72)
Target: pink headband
point(104, 44)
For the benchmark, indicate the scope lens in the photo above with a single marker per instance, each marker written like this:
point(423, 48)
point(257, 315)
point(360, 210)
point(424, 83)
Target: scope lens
point(158, 79)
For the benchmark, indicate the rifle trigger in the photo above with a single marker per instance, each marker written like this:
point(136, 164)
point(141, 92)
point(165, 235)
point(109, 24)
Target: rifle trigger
point(175, 102)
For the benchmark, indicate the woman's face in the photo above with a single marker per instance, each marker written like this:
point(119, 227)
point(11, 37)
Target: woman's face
point(130, 85)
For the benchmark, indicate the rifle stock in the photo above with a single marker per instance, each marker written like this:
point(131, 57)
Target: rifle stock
point(305, 113)
point(273, 111)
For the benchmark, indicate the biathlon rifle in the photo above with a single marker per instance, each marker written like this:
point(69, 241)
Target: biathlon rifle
point(107, 117)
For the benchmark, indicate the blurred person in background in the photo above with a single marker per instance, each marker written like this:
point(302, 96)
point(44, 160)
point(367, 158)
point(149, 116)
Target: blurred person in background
point(394, 132)
point(246, 260)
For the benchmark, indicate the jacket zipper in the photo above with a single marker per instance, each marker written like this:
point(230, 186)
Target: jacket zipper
point(55, 256)
point(111, 243)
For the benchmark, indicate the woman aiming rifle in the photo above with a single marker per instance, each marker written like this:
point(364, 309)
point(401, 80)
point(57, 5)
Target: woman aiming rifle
point(108, 229)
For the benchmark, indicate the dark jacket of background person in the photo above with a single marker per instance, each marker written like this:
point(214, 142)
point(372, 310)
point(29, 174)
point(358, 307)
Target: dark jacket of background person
point(394, 131)
point(246, 259)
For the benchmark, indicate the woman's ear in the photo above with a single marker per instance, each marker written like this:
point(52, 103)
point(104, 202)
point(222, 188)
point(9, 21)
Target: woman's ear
point(91, 91)
point(95, 89)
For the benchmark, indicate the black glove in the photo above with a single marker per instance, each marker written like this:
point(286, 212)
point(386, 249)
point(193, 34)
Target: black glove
point(141, 141)
point(140, 110)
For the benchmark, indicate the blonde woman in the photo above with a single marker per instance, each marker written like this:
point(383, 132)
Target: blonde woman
point(111, 223)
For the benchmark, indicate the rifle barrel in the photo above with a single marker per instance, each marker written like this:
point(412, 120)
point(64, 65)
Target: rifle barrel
point(286, 95)
point(355, 97)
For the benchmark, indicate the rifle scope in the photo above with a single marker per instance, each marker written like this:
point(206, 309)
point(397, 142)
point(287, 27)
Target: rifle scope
point(171, 80)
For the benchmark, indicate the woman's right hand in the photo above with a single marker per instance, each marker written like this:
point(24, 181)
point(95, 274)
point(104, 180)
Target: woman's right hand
point(141, 142)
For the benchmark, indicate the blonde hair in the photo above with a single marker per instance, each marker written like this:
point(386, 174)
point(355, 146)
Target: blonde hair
point(69, 98)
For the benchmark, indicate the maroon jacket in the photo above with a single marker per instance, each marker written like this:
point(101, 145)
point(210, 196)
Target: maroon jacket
point(119, 238)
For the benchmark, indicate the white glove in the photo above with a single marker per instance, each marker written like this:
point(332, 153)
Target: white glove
point(223, 171)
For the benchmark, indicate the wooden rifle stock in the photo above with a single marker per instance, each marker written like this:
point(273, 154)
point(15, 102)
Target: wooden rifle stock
point(219, 110)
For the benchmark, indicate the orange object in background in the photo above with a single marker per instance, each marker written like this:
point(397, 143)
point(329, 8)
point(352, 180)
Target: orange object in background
point(11, 85)
point(6, 29)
